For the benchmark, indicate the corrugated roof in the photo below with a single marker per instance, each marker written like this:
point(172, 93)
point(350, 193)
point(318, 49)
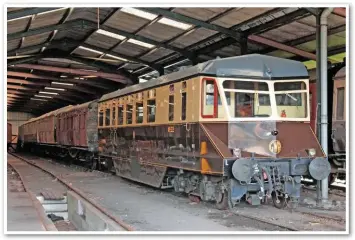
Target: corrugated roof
point(172, 44)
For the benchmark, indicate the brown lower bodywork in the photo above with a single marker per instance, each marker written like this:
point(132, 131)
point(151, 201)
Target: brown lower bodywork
point(146, 153)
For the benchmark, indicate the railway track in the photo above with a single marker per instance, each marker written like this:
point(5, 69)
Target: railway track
point(249, 220)
point(77, 191)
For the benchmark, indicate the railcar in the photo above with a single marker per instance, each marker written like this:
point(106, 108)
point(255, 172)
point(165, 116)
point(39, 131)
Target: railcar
point(224, 130)
point(69, 133)
point(336, 120)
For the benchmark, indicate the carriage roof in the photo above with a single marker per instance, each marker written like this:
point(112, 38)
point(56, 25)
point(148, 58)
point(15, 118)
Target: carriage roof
point(252, 66)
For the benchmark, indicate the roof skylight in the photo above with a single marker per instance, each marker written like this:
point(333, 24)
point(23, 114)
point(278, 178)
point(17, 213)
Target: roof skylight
point(15, 19)
point(63, 83)
point(37, 99)
point(174, 23)
point(115, 57)
point(139, 13)
point(56, 89)
point(143, 44)
point(90, 50)
point(110, 34)
point(52, 93)
point(43, 96)
point(51, 11)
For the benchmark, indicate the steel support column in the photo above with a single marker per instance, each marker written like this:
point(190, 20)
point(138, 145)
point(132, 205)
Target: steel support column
point(324, 92)
point(318, 93)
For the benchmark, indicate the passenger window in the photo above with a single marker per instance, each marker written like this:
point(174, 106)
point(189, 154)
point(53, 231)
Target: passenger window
point(120, 114)
point(171, 108)
point(183, 106)
point(139, 112)
point(107, 117)
point(101, 119)
point(113, 123)
point(210, 98)
point(129, 114)
point(340, 103)
point(151, 107)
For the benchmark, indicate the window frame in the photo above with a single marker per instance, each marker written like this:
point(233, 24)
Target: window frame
point(337, 105)
point(215, 98)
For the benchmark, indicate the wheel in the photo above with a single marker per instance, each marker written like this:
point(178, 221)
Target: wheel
point(222, 201)
point(279, 202)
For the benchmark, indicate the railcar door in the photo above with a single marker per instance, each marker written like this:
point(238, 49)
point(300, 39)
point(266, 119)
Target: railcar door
point(339, 116)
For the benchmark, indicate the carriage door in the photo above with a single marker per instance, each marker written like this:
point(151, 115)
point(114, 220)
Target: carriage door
point(339, 116)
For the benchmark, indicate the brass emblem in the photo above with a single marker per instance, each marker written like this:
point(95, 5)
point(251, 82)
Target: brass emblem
point(275, 146)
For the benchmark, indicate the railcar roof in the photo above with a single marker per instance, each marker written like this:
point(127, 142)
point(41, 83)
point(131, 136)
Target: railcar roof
point(60, 110)
point(253, 66)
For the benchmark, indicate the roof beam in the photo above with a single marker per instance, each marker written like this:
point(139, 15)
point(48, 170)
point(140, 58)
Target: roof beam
point(19, 87)
point(88, 82)
point(27, 12)
point(340, 12)
point(117, 77)
point(308, 38)
point(18, 93)
point(78, 23)
point(211, 45)
point(196, 22)
point(48, 84)
point(183, 52)
point(331, 51)
point(281, 46)
point(63, 43)
point(81, 23)
point(153, 66)
point(280, 21)
point(24, 60)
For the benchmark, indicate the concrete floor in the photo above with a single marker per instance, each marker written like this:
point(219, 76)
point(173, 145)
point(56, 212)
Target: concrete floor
point(149, 209)
point(21, 214)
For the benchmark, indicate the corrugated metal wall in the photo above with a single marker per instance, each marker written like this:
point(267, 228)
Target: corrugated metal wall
point(17, 119)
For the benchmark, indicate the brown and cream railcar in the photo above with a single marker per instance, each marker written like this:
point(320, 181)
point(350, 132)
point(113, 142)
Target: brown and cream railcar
point(221, 130)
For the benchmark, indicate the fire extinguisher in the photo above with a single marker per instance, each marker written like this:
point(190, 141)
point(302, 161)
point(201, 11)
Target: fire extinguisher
point(283, 113)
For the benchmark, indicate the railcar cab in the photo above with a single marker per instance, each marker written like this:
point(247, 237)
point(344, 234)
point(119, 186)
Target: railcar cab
point(231, 99)
point(266, 124)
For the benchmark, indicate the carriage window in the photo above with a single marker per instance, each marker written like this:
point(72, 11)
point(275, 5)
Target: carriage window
point(113, 115)
point(291, 99)
point(151, 110)
point(171, 108)
point(292, 105)
point(248, 105)
point(129, 114)
point(183, 106)
point(139, 112)
point(120, 114)
point(210, 98)
point(245, 85)
point(107, 117)
point(340, 103)
point(101, 118)
point(289, 86)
